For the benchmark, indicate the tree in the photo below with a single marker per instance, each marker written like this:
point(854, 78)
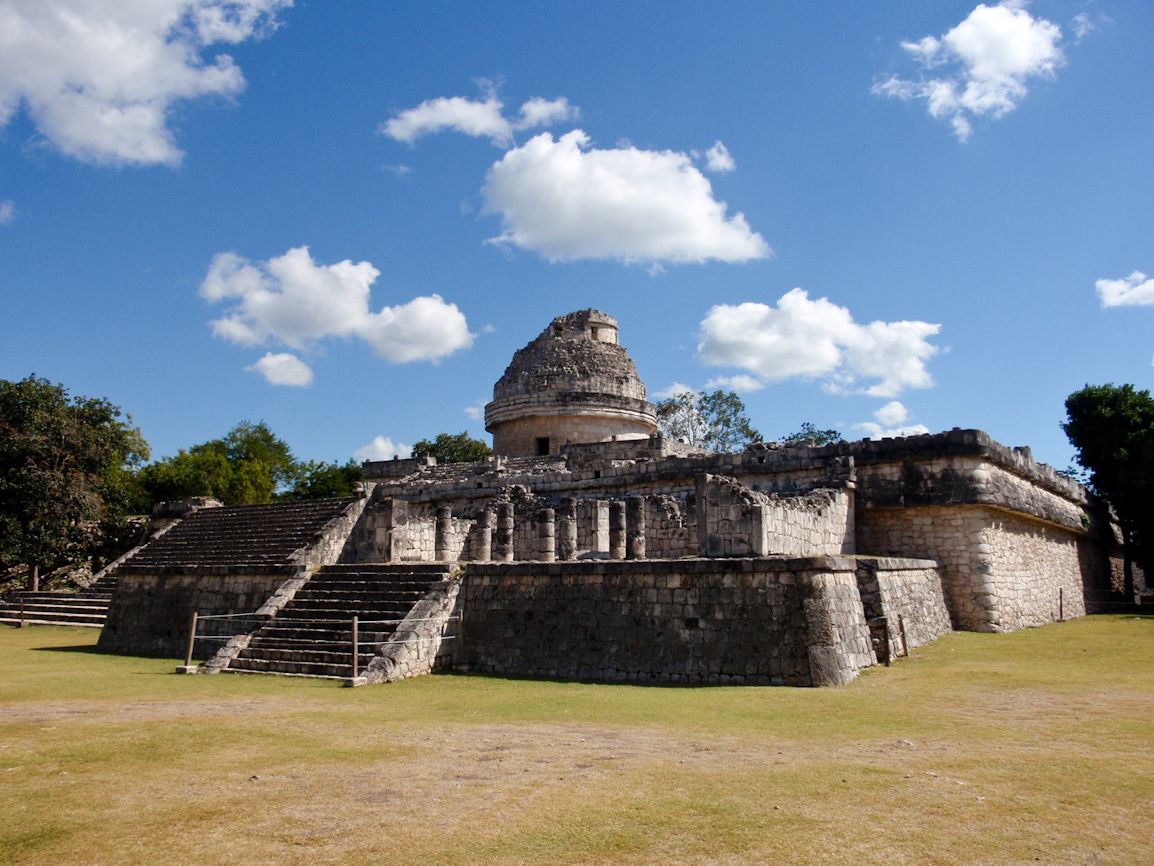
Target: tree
point(1112, 430)
point(811, 436)
point(65, 469)
point(453, 448)
point(713, 421)
point(325, 480)
point(249, 465)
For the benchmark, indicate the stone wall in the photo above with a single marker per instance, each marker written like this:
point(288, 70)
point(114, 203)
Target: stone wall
point(907, 593)
point(733, 520)
point(770, 621)
point(1000, 571)
point(152, 610)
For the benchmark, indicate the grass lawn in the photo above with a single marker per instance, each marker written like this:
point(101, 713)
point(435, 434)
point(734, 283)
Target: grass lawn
point(1034, 747)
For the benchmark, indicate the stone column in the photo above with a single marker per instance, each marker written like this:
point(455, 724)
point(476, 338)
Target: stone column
point(760, 530)
point(635, 527)
point(483, 551)
point(567, 530)
point(503, 539)
point(396, 520)
point(597, 513)
point(546, 535)
point(443, 533)
point(616, 530)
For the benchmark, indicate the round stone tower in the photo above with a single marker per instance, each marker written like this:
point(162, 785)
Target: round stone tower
point(573, 384)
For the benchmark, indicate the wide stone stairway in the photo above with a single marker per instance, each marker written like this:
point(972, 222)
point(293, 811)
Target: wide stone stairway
point(87, 607)
point(312, 635)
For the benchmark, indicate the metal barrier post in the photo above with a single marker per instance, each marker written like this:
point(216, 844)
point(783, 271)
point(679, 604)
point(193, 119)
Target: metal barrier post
point(191, 641)
point(356, 648)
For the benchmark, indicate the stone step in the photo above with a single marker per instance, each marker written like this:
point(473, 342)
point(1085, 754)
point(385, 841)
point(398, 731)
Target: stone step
point(87, 597)
point(386, 568)
point(313, 638)
point(9, 620)
point(311, 669)
point(58, 616)
point(335, 655)
point(354, 602)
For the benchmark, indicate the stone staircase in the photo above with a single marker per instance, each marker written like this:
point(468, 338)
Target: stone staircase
point(311, 636)
point(87, 607)
point(242, 534)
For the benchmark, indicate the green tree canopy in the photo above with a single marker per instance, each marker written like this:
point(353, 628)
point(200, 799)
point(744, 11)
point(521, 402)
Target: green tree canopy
point(1112, 430)
point(810, 435)
point(453, 448)
point(249, 465)
point(66, 468)
point(713, 421)
point(325, 480)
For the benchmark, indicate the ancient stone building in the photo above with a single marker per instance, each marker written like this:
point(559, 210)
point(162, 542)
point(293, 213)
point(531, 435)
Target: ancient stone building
point(574, 383)
point(591, 547)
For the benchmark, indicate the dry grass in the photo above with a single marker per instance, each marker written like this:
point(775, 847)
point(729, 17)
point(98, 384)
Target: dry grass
point(1025, 748)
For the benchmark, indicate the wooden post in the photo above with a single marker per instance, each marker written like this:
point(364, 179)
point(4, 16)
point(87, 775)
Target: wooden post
point(191, 641)
point(22, 623)
point(1061, 605)
point(356, 647)
point(902, 632)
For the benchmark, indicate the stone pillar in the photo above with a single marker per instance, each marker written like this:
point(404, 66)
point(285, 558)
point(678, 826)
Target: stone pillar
point(760, 530)
point(503, 539)
point(635, 528)
point(396, 520)
point(546, 535)
point(599, 530)
point(483, 551)
point(443, 533)
point(567, 530)
point(616, 530)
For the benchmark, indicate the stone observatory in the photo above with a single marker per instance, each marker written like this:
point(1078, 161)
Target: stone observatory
point(574, 384)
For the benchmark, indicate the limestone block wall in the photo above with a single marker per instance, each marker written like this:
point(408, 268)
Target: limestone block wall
point(151, 611)
point(1000, 571)
point(768, 621)
point(736, 521)
point(1032, 569)
point(908, 593)
point(670, 527)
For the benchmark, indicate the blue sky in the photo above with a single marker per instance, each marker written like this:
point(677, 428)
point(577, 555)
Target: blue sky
point(343, 218)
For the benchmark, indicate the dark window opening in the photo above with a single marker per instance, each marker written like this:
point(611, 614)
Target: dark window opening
point(542, 446)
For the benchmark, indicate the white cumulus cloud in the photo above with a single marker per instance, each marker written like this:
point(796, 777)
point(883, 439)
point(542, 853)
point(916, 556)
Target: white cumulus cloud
point(567, 201)
point(740, 383)
point(802, 338)
point(675, 389)
point(293, 300)
point(718, 159)
point(888, 423)
point(482, 118)
point(475, 412)
point(98, 77)
point(1134, 290)
point(982, 65)
point(283, 368)
point(382, 448)
point(7, 211)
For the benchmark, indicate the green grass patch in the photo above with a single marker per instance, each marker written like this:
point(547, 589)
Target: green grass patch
point(1031, 747)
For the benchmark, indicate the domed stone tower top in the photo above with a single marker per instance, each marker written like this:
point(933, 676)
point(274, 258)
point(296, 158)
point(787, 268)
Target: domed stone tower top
point(574, 383)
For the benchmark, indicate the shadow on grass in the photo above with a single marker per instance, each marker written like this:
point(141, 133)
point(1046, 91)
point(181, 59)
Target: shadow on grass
point(83, 648)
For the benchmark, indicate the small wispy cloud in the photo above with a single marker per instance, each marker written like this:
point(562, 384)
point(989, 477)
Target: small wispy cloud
point(7, 211)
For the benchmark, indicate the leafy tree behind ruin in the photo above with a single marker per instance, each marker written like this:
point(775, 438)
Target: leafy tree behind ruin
point(808, 434)
point(248, 465)
point(317, 480)
point(713, 421)
point(66, 473)
point(1112, 430)
point(453, 448)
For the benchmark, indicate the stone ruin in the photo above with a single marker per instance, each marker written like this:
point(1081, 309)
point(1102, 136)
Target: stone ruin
point(590, 547)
